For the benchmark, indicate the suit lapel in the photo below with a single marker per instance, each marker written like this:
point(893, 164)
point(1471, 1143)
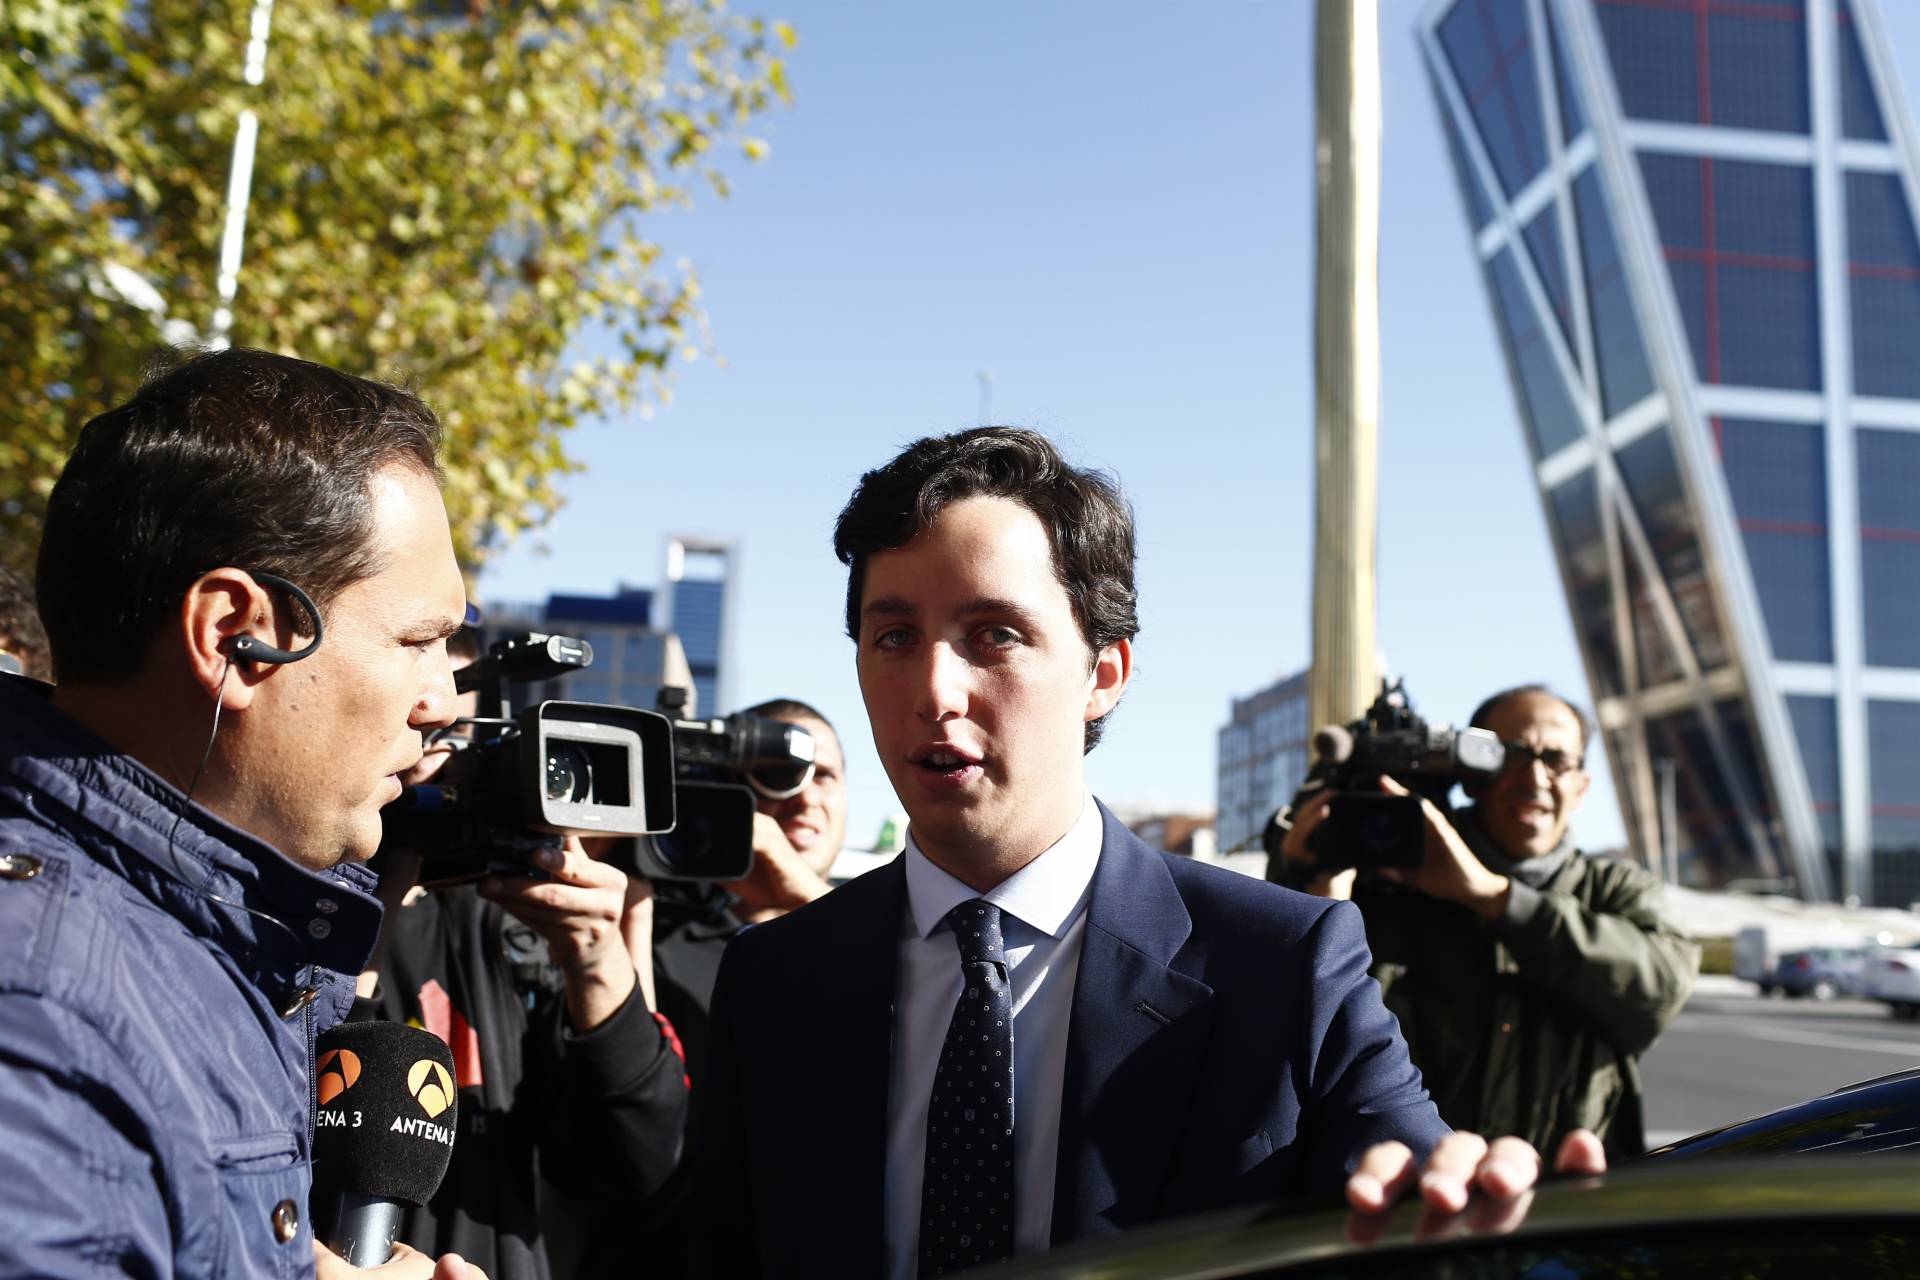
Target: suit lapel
point(859, 1021)
point(1135, 1042)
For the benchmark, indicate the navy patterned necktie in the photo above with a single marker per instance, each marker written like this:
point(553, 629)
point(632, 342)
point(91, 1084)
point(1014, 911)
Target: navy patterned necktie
point(966, 1200)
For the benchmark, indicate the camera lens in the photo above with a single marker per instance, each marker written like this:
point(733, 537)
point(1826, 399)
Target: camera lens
point(688, 845)
point(569, 774)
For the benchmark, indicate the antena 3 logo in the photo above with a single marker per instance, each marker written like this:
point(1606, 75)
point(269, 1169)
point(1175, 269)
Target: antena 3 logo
point(339, 1071)
point(431, 1086)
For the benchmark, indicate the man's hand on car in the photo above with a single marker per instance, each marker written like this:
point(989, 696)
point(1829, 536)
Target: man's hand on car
point(579, 911)
point(1449, 871)
point(1467, 1183)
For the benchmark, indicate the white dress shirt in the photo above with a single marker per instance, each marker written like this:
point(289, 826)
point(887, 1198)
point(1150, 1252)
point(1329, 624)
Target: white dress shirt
point(1043, 919)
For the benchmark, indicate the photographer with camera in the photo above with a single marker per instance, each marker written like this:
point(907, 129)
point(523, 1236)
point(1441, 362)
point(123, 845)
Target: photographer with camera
point(572, 1091)
point(1527, 978)
point(247, 581)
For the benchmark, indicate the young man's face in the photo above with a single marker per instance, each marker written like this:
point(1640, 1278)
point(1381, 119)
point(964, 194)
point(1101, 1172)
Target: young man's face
point(814, 818)
point(1527, 809)
point(979, 685)
point(324, 743)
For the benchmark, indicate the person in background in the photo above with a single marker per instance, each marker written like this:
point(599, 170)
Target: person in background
point(573, 1094)
point(1528, 979)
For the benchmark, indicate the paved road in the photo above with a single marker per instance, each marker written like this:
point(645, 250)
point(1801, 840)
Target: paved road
point(1732, 1054)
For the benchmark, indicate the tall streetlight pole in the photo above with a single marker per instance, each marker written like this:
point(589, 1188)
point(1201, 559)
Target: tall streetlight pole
point(1346, 357)
point(240, 179)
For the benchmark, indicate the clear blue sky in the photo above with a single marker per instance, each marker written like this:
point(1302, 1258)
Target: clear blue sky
point(1109, 205)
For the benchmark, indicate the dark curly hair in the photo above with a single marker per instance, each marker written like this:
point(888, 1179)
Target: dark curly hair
point(1088, 521)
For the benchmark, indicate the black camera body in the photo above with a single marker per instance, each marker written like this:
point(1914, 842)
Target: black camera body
point(722, 767)
point(529, 777)
point(1365, 827)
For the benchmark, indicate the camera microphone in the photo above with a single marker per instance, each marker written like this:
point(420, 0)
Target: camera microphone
point(383, 1126)
point(1332, 744)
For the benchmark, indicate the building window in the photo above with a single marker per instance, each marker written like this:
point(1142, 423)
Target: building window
point(1479, 211)
point(1816, 732)
point(1736, 63)
point(1652, 476)
point(1893, 787)
point(1491, 51)
point(1859, 108)
point(1889, 463)
point(1738, 241)
point(1884, 281)
point(1543, 245)
point(1573, 121)
point(1777, 475)
point(1575, 511)
point(1551, 419)
point(1625, 379)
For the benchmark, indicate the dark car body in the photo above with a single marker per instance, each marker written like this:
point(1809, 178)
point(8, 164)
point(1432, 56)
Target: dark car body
point(1754, 1218)
point(1827, 1186)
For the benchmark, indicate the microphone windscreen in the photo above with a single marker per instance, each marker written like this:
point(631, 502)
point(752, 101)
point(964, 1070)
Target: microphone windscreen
point(1332, 744)
point(384, 1111)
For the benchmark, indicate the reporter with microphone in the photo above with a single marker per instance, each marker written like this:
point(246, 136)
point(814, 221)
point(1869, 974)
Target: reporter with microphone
point(247, 582)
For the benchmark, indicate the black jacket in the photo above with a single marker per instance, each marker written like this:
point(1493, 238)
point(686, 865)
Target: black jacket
point(554, 1126)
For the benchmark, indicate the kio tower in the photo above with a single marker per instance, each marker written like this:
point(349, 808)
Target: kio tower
point(1696, 222)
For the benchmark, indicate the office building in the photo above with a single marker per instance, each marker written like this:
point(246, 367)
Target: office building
point(632, 659)
point(699, 597)
point(1262, 761)
point(1696, 224)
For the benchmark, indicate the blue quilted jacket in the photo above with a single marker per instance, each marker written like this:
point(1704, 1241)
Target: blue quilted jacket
point(155, 1042)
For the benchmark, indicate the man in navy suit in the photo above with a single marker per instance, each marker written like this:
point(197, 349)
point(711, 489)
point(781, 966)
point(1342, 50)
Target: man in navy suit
point(1031, 1027)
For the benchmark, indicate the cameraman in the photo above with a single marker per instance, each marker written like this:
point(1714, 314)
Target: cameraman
point(1527, 979)
point(572, 1091)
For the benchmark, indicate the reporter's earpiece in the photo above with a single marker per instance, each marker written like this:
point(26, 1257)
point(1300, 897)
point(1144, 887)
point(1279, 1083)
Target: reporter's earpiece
point(251, 648)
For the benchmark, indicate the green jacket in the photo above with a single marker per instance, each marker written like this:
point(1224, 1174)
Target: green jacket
point(1533, 1024)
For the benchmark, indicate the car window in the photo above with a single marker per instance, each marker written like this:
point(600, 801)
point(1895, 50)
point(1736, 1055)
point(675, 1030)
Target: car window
point(1860, 1251)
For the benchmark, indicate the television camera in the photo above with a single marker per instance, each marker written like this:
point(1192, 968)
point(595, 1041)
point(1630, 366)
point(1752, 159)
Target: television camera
point(1366, 827)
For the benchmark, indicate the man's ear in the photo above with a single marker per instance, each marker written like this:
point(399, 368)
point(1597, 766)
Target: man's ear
point(1577, 788)
point(220, 605)
point(1108, 680)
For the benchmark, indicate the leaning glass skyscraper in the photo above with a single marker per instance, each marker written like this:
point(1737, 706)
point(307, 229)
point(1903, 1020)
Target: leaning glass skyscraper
point(1696, 222)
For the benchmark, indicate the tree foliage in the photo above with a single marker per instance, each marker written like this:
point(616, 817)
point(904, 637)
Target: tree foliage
point(449, 193)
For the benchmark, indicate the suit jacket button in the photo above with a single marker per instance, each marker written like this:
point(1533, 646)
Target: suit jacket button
point(286, 1221)
point(18, 866)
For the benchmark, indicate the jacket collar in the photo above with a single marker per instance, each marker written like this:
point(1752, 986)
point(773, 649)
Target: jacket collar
point(206, 873)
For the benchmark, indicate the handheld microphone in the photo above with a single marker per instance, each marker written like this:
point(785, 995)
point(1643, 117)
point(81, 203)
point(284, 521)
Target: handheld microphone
point(383, 1125)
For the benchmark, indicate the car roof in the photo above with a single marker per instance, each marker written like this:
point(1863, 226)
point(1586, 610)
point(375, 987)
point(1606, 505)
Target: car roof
point(1655, 1195)
point(1882, 1114)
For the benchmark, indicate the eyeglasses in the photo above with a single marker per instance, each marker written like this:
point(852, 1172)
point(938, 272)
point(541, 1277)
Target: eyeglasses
point(1558, 763)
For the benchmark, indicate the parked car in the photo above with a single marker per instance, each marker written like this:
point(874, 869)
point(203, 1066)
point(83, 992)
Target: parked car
point(1820, 972)
point(1892, 975)
point(1830, 1186)
point(1760, 1218)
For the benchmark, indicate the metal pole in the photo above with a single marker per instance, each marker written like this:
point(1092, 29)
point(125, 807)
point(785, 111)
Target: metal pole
point(1346, 358)
point(1669, 868)
point(240, 179)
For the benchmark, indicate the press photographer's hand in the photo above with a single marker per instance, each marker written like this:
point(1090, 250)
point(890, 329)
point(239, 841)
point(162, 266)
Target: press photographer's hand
point(1449, 870)
point(579, 912)
point(780, 880)
point(1308, 817)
